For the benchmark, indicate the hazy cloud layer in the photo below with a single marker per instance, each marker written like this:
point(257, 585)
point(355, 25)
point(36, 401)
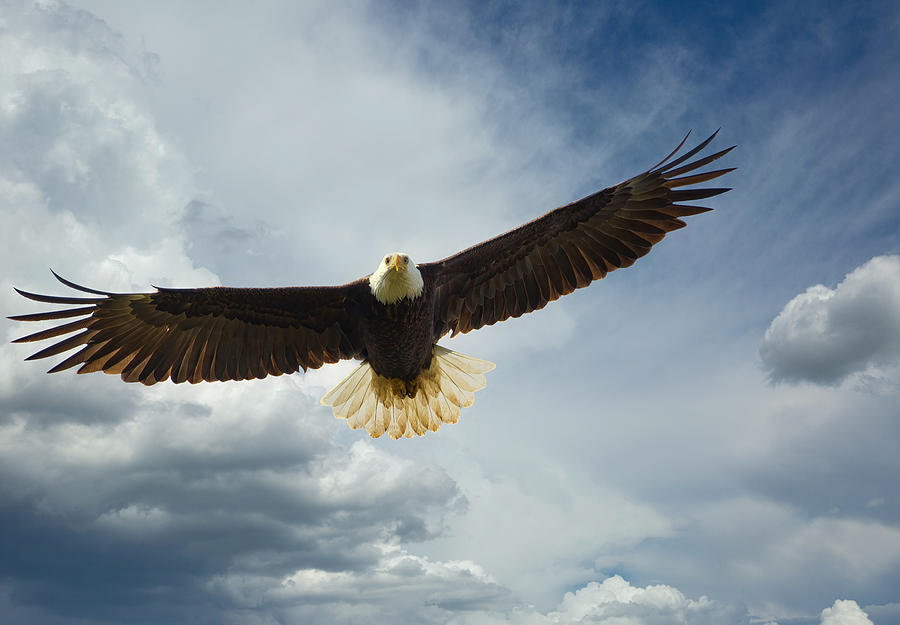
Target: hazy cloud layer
point(462, 593)
point(824, 335)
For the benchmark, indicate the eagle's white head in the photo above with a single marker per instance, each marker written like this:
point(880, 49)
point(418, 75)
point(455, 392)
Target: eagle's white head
point(396, 277)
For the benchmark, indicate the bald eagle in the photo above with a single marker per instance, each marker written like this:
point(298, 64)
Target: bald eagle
point(391, 320)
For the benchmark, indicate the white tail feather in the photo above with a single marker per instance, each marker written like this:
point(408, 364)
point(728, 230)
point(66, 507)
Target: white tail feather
point(381, 405)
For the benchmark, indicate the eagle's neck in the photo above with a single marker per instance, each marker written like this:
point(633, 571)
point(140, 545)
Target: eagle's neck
point(389, 286)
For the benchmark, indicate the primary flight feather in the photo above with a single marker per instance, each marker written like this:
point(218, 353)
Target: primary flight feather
point(391, 320)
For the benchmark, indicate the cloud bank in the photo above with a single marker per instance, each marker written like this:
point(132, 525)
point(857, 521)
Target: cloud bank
point(825, 335)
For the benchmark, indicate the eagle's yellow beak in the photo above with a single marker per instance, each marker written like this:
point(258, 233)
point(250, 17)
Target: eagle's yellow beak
point(396, 262)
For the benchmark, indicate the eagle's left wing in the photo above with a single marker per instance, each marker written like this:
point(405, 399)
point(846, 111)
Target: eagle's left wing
point(207, 334)
point(569, 247)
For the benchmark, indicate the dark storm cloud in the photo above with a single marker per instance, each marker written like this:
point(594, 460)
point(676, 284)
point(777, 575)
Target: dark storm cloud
point(34, 406)
point(169, 514)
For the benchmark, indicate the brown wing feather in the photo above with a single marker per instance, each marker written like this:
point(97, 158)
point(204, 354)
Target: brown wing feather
point(191, 335)
point(569, 247)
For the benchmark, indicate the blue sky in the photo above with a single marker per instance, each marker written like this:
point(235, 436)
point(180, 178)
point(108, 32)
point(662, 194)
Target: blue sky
point(710, 436)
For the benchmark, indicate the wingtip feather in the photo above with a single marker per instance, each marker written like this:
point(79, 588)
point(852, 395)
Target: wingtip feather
point(78, 287)
point(55, 299)
point(675, 151)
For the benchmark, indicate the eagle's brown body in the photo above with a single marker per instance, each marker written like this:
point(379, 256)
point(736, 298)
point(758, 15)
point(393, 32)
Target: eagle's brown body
point(217, 333)
point(398, 338)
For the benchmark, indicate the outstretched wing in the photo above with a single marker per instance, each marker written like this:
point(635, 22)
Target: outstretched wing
point(192, 335)
point(569, 247)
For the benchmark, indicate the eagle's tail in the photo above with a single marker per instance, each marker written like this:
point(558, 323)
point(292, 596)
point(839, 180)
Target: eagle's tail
point(381, 404)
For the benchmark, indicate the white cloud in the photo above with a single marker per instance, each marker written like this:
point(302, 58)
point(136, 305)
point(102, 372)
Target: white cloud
point(825, 335)
point(845, 612)
point(616, 602)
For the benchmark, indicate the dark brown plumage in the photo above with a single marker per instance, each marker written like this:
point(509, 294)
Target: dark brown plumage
point(217, 333)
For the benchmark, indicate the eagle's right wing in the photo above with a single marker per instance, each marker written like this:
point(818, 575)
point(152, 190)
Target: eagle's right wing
point(569, 247)
point(207, 334)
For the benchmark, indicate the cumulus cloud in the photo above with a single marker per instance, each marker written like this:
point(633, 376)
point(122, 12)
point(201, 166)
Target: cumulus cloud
point(845, 612)
point(616, 602)
point(826, 334)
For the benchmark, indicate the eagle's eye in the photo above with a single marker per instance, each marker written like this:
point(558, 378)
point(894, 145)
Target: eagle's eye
point(405, 259)
point(387, 260)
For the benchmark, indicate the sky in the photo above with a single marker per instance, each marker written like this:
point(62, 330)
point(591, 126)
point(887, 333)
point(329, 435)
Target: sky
point(711, 436)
